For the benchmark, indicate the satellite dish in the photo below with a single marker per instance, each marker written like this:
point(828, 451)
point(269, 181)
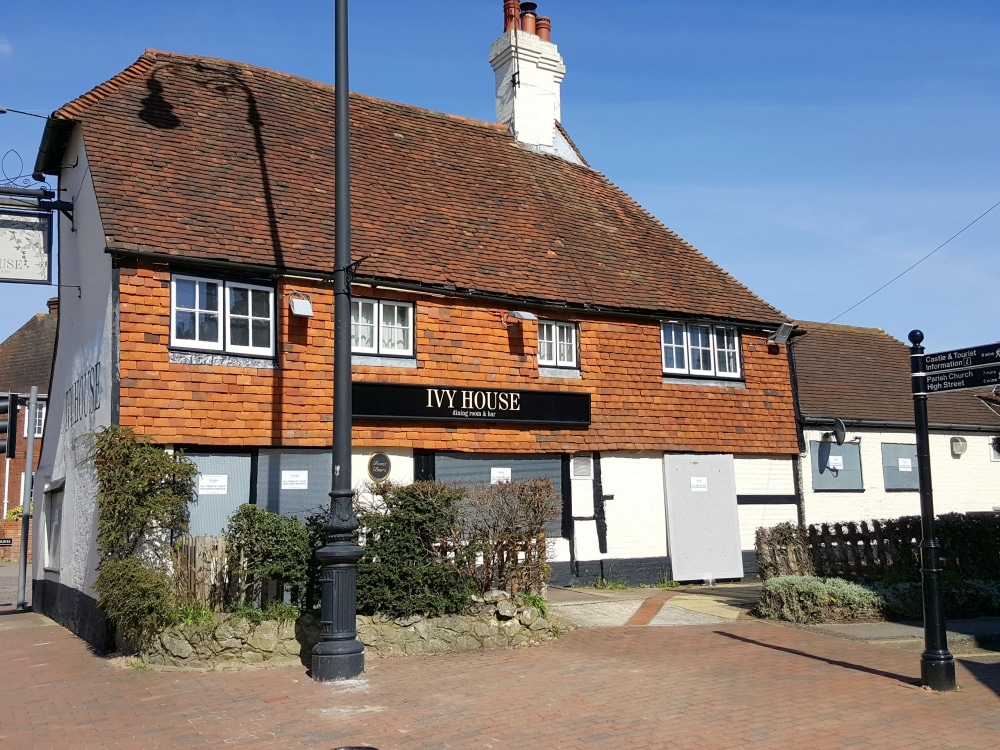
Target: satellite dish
point(839, 431)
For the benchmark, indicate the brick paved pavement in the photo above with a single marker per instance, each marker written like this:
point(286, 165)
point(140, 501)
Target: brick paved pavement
point(730, 685)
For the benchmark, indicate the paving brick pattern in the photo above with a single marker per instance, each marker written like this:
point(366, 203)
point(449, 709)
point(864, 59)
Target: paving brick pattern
point(731, 685)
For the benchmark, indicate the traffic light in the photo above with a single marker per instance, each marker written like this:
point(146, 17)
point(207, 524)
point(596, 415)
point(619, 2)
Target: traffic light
point(8, 424)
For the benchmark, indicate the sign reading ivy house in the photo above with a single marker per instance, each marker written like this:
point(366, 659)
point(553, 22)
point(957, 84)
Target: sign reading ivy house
point(481, 405)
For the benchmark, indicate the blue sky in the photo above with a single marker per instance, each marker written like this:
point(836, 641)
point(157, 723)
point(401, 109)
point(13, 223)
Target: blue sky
point(812, 149)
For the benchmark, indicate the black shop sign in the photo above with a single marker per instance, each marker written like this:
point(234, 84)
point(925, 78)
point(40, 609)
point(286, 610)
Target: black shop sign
point(460, 404)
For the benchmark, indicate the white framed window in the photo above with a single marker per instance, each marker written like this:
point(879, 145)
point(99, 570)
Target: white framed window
point(230, 316)
point(700, 349)
point(39, 419)
point(52, 523)
point(382, 327)
point(556, 344)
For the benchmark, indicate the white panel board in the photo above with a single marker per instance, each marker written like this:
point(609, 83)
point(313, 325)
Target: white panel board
point(702, 520)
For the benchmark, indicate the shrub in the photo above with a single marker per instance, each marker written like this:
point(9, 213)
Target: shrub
point(141, 491)
point(15, 513)
point(414, 561)
point(261, 545)
point(136, 597)
point(142, 497)
point(783, 550)
point(505, 523)
point(809, 599)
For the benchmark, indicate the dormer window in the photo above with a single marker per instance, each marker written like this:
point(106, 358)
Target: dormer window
point(700, 349)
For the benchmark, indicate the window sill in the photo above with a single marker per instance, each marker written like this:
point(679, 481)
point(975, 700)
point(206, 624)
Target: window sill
point(559, 372)
point(217, 359)
point(717, 382)
point(837, 489)
point(376, 361)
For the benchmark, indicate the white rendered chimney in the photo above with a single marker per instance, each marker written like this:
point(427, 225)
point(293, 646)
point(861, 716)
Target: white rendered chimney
point(529, 72)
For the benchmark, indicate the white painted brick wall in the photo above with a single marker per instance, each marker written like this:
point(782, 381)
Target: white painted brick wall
point(533, 106)
point(763, 476)
point(637, 515)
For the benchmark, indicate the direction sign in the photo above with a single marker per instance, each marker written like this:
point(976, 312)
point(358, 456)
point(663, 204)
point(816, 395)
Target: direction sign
point(956, 359)
point(955, 380)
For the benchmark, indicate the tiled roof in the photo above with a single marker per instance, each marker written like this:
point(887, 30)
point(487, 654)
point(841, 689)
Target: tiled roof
point(26, 356)
point(212, 160)
point(864, 374)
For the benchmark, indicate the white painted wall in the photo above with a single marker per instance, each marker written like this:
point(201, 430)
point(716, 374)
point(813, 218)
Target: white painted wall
point(84, 356)
point(400, 460)
point(763, 476)
point(970, 482)
point(637, 514)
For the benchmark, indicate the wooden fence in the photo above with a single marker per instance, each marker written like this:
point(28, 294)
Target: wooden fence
point(867, 551)
point(200, 569)
point(201, 572)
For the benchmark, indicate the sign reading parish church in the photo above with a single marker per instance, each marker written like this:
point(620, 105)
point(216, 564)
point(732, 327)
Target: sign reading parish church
point(453, 403)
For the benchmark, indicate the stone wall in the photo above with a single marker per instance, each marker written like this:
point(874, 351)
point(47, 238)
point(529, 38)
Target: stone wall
point(494, 621)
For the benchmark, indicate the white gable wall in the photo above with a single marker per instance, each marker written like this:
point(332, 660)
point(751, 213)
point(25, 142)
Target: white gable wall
point(81, 391)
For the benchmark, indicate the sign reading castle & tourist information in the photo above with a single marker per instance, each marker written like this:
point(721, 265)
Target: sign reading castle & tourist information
point(958, 369)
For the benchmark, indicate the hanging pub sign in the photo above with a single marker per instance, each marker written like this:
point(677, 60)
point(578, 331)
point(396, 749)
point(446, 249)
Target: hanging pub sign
point(25, 246)
point(462, 404)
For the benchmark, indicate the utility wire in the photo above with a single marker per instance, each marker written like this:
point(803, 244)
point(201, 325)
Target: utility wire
point(906, 271)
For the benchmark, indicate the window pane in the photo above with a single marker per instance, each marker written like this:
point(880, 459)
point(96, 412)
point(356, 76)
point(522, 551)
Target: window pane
point(701, 348)
point(260, 303)
point(185, 291)
point(673, 347)
point(239, 332)
point(239, 303)
point(184, 326)
point(209, 295)
point(261, 334)
point(567, 344)
point(546, 343)
point(208, 327)
point(726, 360)
point(396, 335)
point(362, 325)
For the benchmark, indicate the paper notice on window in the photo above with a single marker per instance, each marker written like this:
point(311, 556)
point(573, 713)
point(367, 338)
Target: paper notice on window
point(213, 484)
point(699, 484)
point(836, 463)
point(499, 474)
point(906, 464)
point(295, 480)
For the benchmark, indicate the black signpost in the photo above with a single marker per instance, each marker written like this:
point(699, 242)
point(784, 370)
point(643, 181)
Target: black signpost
point(937, 665)
point(958, 369)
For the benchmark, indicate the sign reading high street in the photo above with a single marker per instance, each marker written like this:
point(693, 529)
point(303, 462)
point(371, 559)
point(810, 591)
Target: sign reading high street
point(975, 356)
point(954, 380)
point(463, 404)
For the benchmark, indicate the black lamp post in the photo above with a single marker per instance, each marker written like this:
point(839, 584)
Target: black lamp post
point(937, 665)
point(339, 655)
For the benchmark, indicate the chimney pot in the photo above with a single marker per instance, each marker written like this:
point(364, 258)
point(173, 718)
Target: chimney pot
point(511, 16)
point(53, 305)
point(528, 17)
point(543, 27)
